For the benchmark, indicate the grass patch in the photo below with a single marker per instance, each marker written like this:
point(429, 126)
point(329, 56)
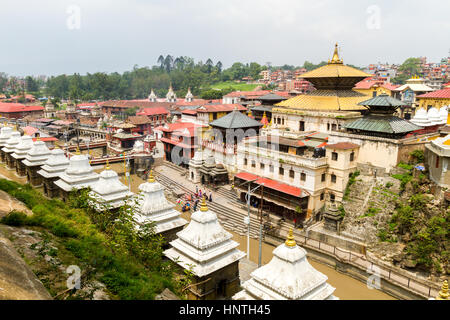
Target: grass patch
point(235, 85)
point(128, 261)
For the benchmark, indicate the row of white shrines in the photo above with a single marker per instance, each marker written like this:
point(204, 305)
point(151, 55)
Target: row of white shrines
point(201, 246)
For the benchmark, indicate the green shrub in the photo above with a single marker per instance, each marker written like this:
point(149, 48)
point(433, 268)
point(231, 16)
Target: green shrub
point(15, 219)
point(418, 156)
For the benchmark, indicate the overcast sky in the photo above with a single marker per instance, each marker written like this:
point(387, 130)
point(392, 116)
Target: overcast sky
point(50, 37)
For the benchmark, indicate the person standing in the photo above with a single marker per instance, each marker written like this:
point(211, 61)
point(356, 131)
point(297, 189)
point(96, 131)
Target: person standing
point(210, 197)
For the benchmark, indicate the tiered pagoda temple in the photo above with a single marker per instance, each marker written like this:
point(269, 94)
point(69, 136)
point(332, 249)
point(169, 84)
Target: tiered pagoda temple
point(289, 276)
point(109, 192)
point(79, 175)
point(55, 165)
point(9, 149)
point(20, 153)
point(333, 104)
point(35, 158)
point(5, 134)
point(213, 256)
point(380, 120)
point(153, 207)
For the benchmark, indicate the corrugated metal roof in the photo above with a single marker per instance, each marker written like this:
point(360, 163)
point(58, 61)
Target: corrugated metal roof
point(382, 124)
point(236, 120)
point(382, 101)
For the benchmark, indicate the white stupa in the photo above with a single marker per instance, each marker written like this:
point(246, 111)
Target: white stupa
point(421, 118)
point(153, 97)
point(109, 191)
point(78, 175)
point(55, 165)
point(195, 164)
point(204, 245)
point(37, 155)
point(189, 96)
point(5, 134)
point(152, 206)
point(10, 146)
point(289, 276)
point(20, 153)
point(443, 114)
point(434, 116)
point(171, 96)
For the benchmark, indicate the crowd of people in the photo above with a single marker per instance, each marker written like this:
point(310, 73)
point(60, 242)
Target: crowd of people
point(194, 202)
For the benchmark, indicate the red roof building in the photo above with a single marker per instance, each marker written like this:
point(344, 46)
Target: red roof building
point(18, 110)
point(180, 141)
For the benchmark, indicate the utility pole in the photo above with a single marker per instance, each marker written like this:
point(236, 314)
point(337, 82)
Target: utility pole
point(261, 227)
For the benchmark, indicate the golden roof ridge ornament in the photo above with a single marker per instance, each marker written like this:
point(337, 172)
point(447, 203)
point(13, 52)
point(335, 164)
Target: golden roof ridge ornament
point(290, 242)
point(336, 59)
point(443, 294)
point(151, 178)
point(204, 207)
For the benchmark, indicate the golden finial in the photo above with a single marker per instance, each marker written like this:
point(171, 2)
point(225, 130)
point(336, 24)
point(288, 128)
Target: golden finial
point(78, 151)
point(57, 147)
point(290, 242)
point(38, 138)
point(107, 165)
point(335, 59)
point(443, 294)
point(204, 207)
point(151, 178)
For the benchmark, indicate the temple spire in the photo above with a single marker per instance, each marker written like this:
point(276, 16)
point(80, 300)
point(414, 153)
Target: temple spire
point(443, 294)
point(107, 165)
point(290, 242)
point(151, 178)
point(336, 59)
point(204, 207)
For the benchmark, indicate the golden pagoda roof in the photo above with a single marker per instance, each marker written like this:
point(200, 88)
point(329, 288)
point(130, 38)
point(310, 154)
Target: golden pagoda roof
point(325, 100)
point(335, 69)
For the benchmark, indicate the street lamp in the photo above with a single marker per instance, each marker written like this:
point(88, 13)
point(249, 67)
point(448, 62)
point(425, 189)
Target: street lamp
point(247, 219)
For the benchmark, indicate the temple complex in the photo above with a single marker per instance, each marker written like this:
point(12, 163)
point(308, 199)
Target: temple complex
point(153, 207)
point(5, 134)
point(108, 191)
point(288, 276)
point(78, 175)
point(212, 173)
point(9, 148)
point(206, 249)
point(408, 93)
point(35, 158)
point(20, 153)
point(55, 165)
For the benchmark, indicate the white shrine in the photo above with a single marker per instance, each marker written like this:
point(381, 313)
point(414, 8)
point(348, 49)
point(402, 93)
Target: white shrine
point(9, 148)
point(171, 96)
point(289, 276)
point(78, 175)
point(20, 153)
point(205, 248)
point(36, 157)
point(153, 97)
point(189, 96)
point(55, 165)
point(5, 134)
point(153, 207)
point(108, 191)
point(195, 164)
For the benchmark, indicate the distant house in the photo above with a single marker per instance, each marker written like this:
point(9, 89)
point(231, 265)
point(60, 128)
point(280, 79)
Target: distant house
point(157, 116)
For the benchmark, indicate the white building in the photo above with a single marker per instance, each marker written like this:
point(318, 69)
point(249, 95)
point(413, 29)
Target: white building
point(78, 175)
point(55, 165)
point(35, 158)
point(108, 191)
point(20, 153)
point(205, 248)
point(289, 276)
point(153, 207)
